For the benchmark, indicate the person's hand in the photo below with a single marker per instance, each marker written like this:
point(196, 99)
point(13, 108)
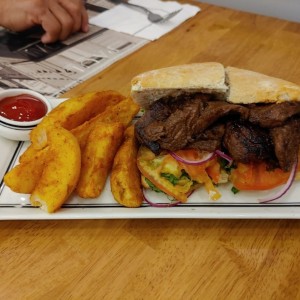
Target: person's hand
point(59, 18)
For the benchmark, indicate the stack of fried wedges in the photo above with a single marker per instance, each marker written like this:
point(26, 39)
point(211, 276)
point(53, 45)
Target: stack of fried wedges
point(75, 147)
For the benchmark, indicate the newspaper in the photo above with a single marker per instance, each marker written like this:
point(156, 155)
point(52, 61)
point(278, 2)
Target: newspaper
point(53, 69)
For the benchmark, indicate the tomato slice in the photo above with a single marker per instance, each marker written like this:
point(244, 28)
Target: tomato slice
point(256, 177)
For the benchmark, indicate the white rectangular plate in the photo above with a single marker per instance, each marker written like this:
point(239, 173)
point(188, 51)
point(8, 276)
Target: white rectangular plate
point(15, 206)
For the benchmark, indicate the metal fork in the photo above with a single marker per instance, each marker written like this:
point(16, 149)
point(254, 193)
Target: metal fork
point(152, 17)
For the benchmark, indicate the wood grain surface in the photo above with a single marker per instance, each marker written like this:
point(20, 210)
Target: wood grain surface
point(167, 259)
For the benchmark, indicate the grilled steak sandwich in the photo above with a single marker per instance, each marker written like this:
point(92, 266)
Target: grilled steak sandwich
point(200, 109)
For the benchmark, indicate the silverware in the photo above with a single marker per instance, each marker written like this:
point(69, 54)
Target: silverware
point(152, 17)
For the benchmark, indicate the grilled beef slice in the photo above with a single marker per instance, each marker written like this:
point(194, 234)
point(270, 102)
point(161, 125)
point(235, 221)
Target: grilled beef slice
point(247, 143)
point(273, 115)
point(182, 122)
point(258, 132)
point(210, 139)
point(168, 125)
point(216, 110)
point(286, 139)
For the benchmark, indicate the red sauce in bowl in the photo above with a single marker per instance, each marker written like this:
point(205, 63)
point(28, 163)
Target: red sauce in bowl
point(22, 108)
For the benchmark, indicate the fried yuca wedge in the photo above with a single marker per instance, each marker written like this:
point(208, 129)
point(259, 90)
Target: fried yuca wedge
point(97, 158)
point(29, 154)
point(24, 177)
point(73, 112)
point(125, 178)
point(61, 170)
point(70, 114)
point(122, 112)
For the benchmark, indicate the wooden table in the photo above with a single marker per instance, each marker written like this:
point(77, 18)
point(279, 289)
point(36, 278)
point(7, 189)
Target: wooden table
point(167, 259)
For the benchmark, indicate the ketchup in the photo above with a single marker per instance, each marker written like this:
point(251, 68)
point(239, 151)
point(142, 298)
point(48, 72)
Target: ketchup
point(22, 108)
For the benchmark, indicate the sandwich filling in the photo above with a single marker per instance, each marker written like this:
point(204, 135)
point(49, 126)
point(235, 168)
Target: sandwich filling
point(249, 133)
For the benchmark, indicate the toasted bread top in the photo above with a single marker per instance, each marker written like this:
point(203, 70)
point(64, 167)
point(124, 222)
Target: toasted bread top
point(235, 85)
point(206, 77)
point(246, 87)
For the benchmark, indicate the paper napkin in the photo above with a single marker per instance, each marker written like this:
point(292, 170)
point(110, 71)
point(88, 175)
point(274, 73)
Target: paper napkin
point(128, 20)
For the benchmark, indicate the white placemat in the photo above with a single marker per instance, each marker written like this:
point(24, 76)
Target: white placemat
point(128, 20)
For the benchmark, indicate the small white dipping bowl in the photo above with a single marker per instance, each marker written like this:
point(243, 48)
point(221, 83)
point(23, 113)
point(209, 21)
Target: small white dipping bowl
point(20, 130)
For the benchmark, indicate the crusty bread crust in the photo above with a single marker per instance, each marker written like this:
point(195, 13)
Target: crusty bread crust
point(208, 77)
point(246, 87)
point(235, 85)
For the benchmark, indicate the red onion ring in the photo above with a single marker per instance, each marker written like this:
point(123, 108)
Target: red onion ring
point(171, 204)
point(284, 189)
point(207, 158)
point(224, 156)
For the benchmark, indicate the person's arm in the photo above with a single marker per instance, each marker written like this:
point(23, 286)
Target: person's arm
point(59, 18)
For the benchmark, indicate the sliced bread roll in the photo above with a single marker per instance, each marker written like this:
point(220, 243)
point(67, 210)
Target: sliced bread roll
point(246, 87)
point(208, 77)
point(235, 85)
